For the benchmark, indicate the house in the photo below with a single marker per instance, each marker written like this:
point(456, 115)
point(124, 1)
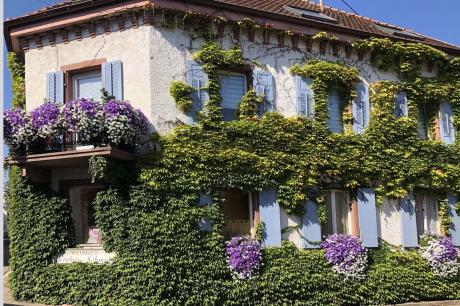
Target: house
point(135, 48)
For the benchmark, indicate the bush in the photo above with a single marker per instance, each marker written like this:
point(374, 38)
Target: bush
point(182, 94)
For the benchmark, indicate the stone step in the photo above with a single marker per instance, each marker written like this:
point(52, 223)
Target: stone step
point(93, 246)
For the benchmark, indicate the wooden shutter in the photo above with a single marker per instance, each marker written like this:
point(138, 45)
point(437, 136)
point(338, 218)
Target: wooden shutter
point(311, 227)
point(367, 213)
point(304, 94)
point(55, 87)
point(270, 216)
point(447, 126)
point(112, 79)
point(335, 117)
point(408, 222)
point(198, 79)
point(401, 107)
point(361, 108)
point(455, 220)
point(263, 85)
point(232, 89)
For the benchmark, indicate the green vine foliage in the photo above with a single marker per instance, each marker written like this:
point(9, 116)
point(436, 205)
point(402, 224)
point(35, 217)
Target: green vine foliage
point(152, 219)
point(17, 78)
point(249, 105)
point(182, 94)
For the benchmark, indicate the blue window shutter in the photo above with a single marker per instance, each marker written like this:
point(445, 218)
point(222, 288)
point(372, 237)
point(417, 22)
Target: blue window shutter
point(455, 218)
point(55, 87)
point(361, 108)
point(408, 222)
point(401, 107)
point(270, 216)
point(112, 79)
point(447, 126)
point(335, 117)
point(232, 89)
point(304, 94)
point(311, 227)
point(367, 215)
point(205, 224)
point(198, 79)
point(263, 85)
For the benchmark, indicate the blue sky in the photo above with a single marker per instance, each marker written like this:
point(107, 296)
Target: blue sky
point(438, 19)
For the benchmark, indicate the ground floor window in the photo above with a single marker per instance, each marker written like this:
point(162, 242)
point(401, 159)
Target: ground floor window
point(241, 213)
point(338, 209)
point(426, 209)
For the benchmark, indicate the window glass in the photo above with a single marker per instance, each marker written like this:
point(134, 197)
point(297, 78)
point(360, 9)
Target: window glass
point(232, 89)
point(335, 115)
point(341, 204)
point(426, 215)
point(87, 85)
point(337, 213)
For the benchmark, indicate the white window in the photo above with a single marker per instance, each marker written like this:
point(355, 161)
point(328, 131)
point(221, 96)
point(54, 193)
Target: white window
point(232, 89)
point(426, 209)
point(338, 213)
point(447, 125)
point(87, 85)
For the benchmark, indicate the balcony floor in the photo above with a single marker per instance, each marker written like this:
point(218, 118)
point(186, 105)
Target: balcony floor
point(69, 158)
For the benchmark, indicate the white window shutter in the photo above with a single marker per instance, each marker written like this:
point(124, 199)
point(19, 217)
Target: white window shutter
point(55, 87)
point(361, 108)
point(198, 79)
point(112, 79)
point(447, 125)
point(401, 107)
point(335, 123)
point(304, 94)
point(263, 85)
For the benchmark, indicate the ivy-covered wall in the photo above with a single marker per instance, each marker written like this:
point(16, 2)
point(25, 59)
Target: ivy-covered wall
point(152, 220)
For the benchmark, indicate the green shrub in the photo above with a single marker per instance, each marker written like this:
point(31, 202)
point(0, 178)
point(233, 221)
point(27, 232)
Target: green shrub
point(182, 94)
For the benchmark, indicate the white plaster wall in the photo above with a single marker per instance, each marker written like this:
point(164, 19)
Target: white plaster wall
point(130, 46)
point(390, 222)
point(293, 222)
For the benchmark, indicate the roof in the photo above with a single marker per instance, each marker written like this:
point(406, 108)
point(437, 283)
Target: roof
point(362, 26)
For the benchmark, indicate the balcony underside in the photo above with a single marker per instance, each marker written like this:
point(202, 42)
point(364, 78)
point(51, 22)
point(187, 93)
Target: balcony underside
point(69, 158)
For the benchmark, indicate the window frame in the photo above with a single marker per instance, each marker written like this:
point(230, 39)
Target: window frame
point(333, 204)
point(75, 77)
point(243, 73)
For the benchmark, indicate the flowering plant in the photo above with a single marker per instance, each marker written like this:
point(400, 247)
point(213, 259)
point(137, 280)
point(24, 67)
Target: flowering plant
point(347, 255)
point(244, 256)
point(47, 120)
point(84, 117)
point(17, 129)
point(441, 255)
point(124, 124)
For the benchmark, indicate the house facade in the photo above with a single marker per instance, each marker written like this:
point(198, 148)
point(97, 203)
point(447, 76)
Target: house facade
point(135, 49)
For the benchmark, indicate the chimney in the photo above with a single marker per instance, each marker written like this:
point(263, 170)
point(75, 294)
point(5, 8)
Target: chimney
point(321, 4)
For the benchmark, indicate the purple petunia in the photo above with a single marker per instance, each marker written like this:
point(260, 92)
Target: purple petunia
point(347, 255)
point(441, 255)
point(17, 128)
point(244, 256)
point(84, 117)
point(47, 120)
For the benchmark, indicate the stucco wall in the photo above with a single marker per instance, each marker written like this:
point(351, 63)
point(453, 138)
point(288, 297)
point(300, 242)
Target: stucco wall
point(390, 222)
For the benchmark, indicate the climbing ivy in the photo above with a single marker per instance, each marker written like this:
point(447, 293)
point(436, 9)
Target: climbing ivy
point(182, 94)
point(17, 78)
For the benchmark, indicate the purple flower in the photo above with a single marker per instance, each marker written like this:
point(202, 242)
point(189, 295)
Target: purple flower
point(347, 255)
point(47, 120)
point(84, 117)
point(13, 120)
point(244, 256)
point(441, 255)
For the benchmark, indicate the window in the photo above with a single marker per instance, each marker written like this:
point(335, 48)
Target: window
point(338, 213)
point(232, 89)
point(401, 108)
point(361, 108)
point(87, 85)
point(426, 210)
point(310, 14)
point(334, 122)
point(305, 100)
point(422, 123)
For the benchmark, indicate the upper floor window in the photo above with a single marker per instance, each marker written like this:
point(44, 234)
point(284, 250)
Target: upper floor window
point(232, 89)
point(87, 85)
point(305, 101)
point(335, 122)
point(401, 107)
point(422, 127)
point(338, 213)
point(447, 129)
